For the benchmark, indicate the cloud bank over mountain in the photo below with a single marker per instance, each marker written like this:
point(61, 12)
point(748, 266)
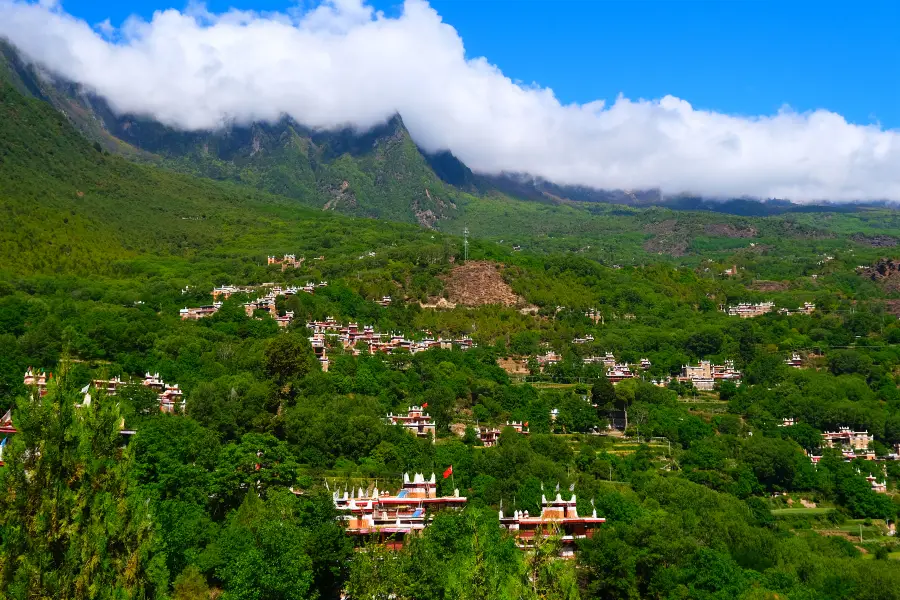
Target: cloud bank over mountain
point(341, 64)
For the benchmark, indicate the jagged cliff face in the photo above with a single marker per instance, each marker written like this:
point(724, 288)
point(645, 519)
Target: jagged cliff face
point(379, 173)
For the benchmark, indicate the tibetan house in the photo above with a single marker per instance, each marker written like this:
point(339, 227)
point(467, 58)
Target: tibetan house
point(558, 517)
point(37, 378)
point(847, 439)
point(416, 421)
point(391, 519)
point(170, 397)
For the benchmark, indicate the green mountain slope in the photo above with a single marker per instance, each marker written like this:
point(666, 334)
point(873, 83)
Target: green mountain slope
point(380, 173)
point(383, 174)
point(67, 206)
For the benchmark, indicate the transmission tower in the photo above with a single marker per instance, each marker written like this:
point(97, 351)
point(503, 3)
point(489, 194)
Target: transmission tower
point(466, 244)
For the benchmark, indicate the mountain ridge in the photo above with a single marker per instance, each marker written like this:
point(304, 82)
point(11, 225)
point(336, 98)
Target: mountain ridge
point(379, 173)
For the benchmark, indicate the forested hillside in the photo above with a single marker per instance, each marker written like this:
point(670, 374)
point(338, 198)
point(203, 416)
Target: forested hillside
point(711, 487)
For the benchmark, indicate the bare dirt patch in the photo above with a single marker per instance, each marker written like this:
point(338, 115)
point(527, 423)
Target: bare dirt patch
point(886, 273)
point(892, 307)
point(731, 231)
point(875, 241)
point(763, 285)
point(668, 238)
point(513, 366)
point(477, 283)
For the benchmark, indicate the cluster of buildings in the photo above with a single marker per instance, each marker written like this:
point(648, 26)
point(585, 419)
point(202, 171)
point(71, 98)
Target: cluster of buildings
point(615, 371)
point(853, 444)
point(705, 375)
point(558, 517)
point(392, 518)
point(594, 315)
point(171, 397)
point(266, 302)
point(548, 359)
point(226, 291)
point(808, 308)
point(845, 437)
point(358, 339)
point(199, 312)
point(288, 261)
point(745, 310)
point(420, 424)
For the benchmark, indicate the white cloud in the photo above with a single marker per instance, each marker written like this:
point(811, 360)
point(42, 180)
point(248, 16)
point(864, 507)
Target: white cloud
point(105, 27)
point(341, 63)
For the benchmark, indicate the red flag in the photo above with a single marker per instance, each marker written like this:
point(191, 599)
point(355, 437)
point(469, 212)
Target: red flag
point(448, 472)
point(425, 405)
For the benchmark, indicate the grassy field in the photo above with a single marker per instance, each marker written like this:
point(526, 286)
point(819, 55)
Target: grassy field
point(786, 512)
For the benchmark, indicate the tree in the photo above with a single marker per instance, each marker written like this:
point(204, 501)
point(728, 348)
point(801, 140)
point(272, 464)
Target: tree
point(191, 585)
point(288, 357)
point(766, 369)
point(140, 400)
point(804, 434)
point(603, 394)
point(259, 462)
point(71, 523)
point(848, 362)
point(264, 552)
point(546, 575)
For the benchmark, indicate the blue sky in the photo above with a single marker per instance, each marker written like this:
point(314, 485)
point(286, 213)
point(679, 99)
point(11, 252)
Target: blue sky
point(692, 91)
point(734, 57)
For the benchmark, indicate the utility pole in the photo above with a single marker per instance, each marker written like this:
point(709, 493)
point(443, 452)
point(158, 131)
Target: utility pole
point(466, 244)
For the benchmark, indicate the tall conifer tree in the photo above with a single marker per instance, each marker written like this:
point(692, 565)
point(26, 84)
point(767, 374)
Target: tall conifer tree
point(71, 525)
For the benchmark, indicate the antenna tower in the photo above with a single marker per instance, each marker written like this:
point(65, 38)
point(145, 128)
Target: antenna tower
point(466, 244)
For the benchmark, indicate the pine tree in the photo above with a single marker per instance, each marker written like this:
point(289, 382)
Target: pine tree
point(71, 525)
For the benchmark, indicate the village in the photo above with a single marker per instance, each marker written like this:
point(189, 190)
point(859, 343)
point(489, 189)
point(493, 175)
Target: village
point(372, 515)
point(746, 310)
point(265, 302)
point(170, 397)
point(355, 339)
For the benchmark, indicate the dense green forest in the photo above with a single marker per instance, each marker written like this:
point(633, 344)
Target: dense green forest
point(704, 494)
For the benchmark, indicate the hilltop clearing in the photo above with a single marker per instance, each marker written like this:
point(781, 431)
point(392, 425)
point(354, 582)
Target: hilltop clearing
point(477, 283)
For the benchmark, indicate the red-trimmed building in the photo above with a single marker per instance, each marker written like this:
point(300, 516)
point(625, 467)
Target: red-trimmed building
point(619, 372)
point(558, 517)
point(391, 519)
point(416, 421)
point(847, 439)
point(795, 361)
point(199, 312)
point(37, 378)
